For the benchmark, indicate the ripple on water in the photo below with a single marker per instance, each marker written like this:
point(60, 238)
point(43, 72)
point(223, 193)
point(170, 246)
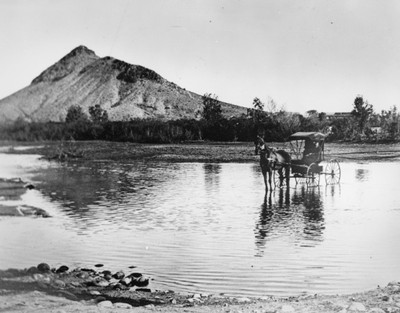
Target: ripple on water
point(208, 228)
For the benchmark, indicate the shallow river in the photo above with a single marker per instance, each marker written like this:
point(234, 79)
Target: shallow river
point(206, 227)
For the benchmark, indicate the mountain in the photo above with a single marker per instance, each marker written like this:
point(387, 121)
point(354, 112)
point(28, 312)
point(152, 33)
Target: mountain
point(126, 91)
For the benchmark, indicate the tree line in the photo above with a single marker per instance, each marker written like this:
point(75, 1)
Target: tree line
point(273, 124)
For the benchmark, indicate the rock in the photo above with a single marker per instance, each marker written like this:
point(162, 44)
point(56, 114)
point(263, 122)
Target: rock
point(243, 300)
point(82, 275)
point(75, 284)
point(119, 286)
point(38, 277)
point(103, 283)
point(42, 285)
point(32, 270)
point(119, 275)
point(376, 310)
point(173, 301)
point(126, 281)
point(135, 276)
point(287, 309)
point(59, 283)
point(122, 305)
point(29, 186)
point(95, 293)
point(141, 281)
point(62, 269)
point(105, 304)
point(99, 265)
point(88, 270)
point(99, 299)
point(68, 295)
point(91, 283)
point(43, 267)
point(31, 210)
point(107, 275)
point(386, 298)
point(150, 306)
point(356, 307)
point(143, 289)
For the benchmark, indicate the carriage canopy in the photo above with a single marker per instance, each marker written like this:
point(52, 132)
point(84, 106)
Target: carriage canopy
point(313, 136)
point(307, 147)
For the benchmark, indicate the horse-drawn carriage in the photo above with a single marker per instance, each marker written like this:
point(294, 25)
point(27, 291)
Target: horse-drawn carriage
point(303, 162)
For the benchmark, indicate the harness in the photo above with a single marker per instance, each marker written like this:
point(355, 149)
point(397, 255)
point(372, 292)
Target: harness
point(272, 161)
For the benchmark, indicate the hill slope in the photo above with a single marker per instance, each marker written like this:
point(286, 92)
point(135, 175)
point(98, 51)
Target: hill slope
point(126, 91)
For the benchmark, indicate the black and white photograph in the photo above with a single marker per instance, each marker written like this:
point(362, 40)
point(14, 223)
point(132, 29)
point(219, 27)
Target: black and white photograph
point(232, 156)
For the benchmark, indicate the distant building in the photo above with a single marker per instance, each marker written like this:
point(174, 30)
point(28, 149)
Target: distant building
point(338, 115)
point(376, 130)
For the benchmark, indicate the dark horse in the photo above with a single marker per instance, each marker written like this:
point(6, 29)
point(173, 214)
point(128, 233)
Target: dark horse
point(271, 160)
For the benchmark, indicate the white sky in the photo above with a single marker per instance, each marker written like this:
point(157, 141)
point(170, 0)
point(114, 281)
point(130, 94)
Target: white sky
point(311, 54)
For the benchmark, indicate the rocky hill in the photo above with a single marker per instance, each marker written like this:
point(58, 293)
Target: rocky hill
point(126, 91)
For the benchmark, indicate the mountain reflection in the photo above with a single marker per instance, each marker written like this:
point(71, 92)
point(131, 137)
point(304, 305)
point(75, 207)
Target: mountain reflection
point(104, 192)
point(299, 215)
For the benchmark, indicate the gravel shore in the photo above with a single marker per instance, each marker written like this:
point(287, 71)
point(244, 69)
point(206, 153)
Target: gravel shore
point(39, 289)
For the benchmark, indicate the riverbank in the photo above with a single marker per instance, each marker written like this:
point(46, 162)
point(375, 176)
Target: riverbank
point(212, 152)
point(38, 289)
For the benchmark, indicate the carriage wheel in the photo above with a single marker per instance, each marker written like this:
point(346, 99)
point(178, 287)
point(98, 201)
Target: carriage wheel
point(312, 177)
point(277, 182)
point(332, 172)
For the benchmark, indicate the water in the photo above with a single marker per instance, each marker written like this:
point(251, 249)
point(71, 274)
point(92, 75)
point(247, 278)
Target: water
point(207, 227)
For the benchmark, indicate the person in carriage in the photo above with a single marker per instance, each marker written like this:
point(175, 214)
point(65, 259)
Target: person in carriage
point(306, 148)
point(312, 152)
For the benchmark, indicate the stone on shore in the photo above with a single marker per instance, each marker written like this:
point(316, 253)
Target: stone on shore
point(356, 307)
point(62, 269)
point(122, 305)
point(105, 304)
point(43, 267)
point(119, 275)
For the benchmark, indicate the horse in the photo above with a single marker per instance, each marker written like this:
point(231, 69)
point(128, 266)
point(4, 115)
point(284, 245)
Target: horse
point(271, 160)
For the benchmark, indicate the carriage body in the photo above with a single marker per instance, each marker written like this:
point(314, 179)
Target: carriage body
point(306, 148)
point(307, 153)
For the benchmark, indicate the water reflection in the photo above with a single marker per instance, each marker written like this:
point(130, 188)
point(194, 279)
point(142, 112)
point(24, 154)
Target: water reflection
point(300, 215)
point(362, 174)
point(97, 192)
point(313, 212)
point(211, 175)
point(208, 222)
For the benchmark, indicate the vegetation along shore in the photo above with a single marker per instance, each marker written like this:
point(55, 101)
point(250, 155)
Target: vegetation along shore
point(199, 151)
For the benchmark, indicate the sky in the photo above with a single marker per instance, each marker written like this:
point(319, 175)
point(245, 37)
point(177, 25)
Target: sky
point(303, 55)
